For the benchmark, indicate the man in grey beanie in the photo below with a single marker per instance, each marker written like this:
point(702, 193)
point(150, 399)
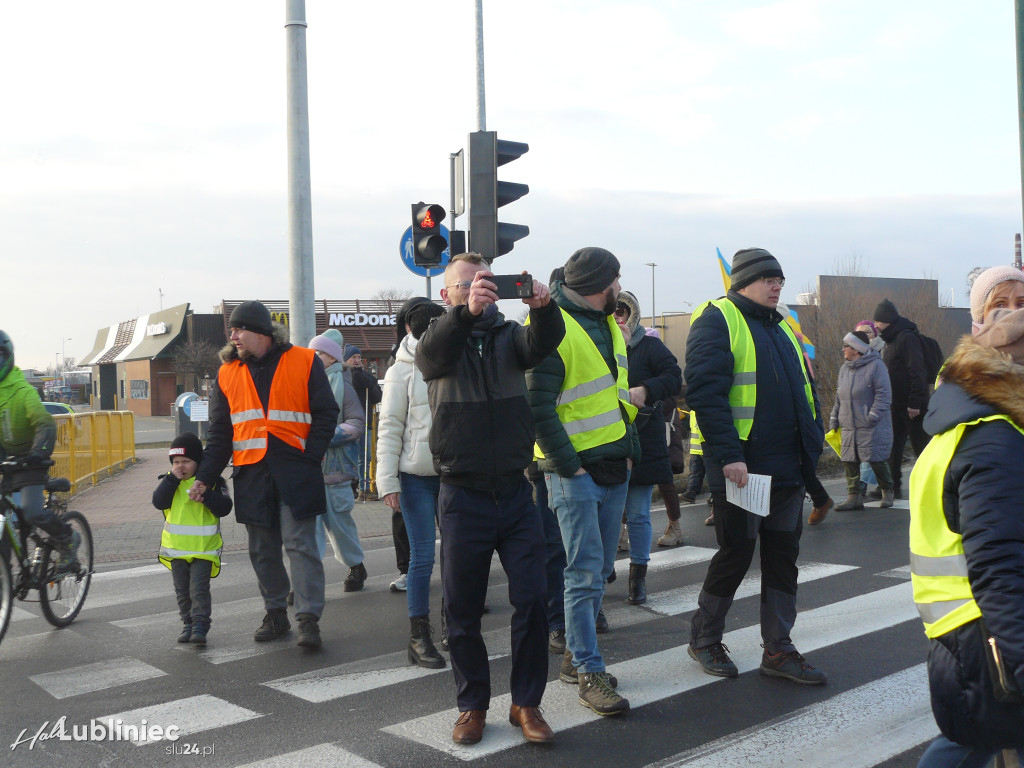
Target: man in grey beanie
point(586, 446)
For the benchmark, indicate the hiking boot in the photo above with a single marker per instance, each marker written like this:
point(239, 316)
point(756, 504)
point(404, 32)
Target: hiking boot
point(792, 666)
point(356, 577)
point(567, 673)
point(818, 514)
point(401, 584)
point(874, 494)
point(186, 633)
point(275, 625)
point(853, 501)
point(556, 641)
point(886, 499)
point(597, 693)
point(309, 631)
point(673, 535)
point(422, 652)
point(714, 659)
point(601, 624)
point(689, 498)
point(624, 540)
point(68, 549)
point(199, 631)
point(637, 584)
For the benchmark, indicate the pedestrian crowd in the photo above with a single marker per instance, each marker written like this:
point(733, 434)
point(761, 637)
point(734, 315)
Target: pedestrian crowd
point(543, 442)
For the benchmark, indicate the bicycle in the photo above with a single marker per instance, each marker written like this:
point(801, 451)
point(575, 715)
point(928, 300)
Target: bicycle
point(30, 558)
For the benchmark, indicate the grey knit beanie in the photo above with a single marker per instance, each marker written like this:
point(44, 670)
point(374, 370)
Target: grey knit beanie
point(590, 271)
point(750, 264)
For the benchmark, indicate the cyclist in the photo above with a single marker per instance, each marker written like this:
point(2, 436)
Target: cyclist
point(27, 431)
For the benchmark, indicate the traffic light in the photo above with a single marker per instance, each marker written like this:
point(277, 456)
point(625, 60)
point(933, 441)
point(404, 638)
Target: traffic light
point(427, 241)
point(487, 236)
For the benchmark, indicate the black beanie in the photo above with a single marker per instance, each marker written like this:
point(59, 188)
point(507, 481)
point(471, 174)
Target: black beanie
point(419, 317)
point(590, 271)
point(886, 312)
point(751, 264)
point(252, 316)
point(188, 445)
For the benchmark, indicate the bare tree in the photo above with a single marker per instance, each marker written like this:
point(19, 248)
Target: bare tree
point(195, 359)
point(392, 294)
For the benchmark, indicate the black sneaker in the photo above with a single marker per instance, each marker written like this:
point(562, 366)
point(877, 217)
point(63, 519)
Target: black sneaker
point(601, 624)
point(792, 666)
point(597, 693)
point(689, 498)
point(569, 674)
point(275, 625)
point(309, 631)
point(714, 659)
point(199, 632)
point(356, 577)
point(556, 641)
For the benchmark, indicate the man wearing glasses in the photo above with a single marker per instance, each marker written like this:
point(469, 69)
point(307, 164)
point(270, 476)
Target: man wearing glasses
point(758, 412)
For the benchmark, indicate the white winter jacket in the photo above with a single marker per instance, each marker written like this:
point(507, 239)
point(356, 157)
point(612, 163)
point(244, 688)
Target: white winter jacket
point(404, 428)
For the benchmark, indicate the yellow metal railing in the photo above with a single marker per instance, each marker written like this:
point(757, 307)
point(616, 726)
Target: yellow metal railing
point(91, 446)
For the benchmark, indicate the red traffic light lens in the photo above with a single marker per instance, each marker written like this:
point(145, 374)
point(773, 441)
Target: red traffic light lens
point(428, 221)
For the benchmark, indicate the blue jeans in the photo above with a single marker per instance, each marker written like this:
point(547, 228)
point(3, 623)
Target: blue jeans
point(943, 753)
point(419, 511)
point(589, 516)
point(337, 523)
point(638, 521)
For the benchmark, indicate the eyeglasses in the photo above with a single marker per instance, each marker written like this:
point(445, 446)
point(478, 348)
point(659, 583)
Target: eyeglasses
point(464, 284)
point(774, 281)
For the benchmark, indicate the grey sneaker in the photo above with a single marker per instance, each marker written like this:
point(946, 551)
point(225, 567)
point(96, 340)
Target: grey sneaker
point(792, 666)
point(714, 659)
point(401, 584)
point(69, 552)
point(597, 693)
point(569, 674)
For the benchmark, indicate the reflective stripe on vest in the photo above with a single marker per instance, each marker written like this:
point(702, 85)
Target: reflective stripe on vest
point(938, 566)
point(288, 417)
point(191, 531)
point(743, 393)
point(591, 401)
point(696, 440)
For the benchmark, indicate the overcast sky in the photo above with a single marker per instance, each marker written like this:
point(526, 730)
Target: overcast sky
point(143, 145)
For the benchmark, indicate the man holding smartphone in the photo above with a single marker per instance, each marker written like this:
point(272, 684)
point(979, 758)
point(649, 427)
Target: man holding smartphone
point(481, 437)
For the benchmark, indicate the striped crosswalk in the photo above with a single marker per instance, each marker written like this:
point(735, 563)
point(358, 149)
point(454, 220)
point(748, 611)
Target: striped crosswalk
point(362, 705)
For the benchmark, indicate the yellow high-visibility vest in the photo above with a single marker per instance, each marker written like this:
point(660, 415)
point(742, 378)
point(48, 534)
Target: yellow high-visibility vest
point(696, 440)
point(591, 400)
point(743, 393)
point(191, 531)
point(938, 566)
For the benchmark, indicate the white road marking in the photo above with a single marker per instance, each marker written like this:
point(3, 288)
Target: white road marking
point(192, 715)
point(89, 678)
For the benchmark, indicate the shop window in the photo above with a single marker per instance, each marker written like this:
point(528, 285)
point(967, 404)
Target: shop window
point(140, 389)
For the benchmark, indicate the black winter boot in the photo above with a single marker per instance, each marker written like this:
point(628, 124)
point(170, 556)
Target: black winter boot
point(200, 629)
point(186, 633)
point(422, 652)
point(637, 584)
point(275, 625)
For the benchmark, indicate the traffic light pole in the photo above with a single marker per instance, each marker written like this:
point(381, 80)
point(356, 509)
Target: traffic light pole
point(1019, 21)
point(481, 107)
point(302, 313)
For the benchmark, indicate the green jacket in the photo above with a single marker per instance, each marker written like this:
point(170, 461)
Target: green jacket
point(25, 425)
point(545, 383)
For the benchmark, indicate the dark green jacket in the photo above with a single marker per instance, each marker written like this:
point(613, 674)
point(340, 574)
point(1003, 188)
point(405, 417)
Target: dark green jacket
point(545, 384)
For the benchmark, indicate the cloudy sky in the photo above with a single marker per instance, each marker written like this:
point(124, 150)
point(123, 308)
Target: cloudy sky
point(143, 145)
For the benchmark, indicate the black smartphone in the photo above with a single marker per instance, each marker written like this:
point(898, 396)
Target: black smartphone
point(513, 286)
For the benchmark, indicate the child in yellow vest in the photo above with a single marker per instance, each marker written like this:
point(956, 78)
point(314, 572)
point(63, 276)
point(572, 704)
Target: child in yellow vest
point(191, 542)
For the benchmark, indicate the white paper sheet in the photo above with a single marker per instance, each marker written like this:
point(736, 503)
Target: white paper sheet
point(754, 496)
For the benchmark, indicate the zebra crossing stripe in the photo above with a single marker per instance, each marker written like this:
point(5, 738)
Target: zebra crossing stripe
point(192, 715)
point(643, 679)
point(859, 728)
point(89, 678)
point(322, 754)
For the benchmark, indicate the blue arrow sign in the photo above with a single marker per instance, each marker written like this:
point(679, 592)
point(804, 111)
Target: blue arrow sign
point(405, 249)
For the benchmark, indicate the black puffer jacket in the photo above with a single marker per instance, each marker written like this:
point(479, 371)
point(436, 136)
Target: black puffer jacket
point(652, 365)
point(481, 434)
point(785, 434)
point(981, 498)
point(904, 358)
point(285, 474)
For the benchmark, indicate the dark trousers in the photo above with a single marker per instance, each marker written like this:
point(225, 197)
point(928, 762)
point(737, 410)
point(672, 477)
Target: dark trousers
point(555, 557)
point(475, 524)
point(668, 495)
point(737, 531)
point(192, 588)
point(903, 427)
point(819, 496)
point(401, 539)
point(697, 473)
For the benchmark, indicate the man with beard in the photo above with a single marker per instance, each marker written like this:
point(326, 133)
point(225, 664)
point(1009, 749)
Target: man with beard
point(586, 446)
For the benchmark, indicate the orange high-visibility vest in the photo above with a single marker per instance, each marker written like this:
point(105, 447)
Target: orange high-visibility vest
point(287, 417)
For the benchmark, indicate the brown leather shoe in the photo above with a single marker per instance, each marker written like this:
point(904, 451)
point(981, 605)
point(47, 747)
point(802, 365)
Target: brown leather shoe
point(818, 513)
point(532, 722)
point(469, 728)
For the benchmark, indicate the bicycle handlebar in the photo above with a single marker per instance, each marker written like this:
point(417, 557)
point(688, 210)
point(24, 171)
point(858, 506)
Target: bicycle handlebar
point(17, 463)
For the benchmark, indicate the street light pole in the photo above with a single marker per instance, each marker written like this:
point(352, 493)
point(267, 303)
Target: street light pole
point(64, 362)
point(654, 318)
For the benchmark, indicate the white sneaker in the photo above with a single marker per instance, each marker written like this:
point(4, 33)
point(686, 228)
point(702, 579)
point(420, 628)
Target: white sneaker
point(399, 584)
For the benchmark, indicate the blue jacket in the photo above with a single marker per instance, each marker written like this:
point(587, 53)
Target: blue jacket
point(982, 494)
point(785, 435)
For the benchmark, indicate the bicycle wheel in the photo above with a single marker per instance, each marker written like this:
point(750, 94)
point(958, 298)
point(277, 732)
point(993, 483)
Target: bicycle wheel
point(6, 595)
point(62, 595)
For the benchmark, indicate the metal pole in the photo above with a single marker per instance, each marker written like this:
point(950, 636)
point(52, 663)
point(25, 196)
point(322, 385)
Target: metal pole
point(302, 311)
point(481, 107)
point(654, 320)
point(1019, 22)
